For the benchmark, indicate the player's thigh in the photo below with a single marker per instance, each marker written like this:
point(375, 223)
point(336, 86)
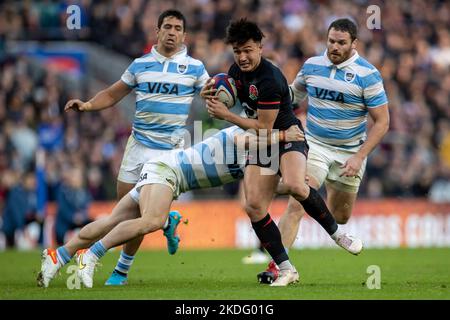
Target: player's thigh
point(340, 201)
point(293, 171)
point(318, 164)
point(259, 186)
point(125, 209)
point(155, 201)
point(123, 188)
point(158, 186)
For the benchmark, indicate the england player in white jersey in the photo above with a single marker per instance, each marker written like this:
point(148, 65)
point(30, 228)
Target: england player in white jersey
point(342, 89)
point(165, 82)
point(218, 160)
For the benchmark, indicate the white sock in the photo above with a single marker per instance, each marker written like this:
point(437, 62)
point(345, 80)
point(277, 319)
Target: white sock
point(335, 235)
point(286, 265)
point(166, 224)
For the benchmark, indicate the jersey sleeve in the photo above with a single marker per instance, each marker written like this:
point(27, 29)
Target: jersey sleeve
point(269, 95)
point(374, 94)
point(202, 78)
point(299, 81)
point(129, 76)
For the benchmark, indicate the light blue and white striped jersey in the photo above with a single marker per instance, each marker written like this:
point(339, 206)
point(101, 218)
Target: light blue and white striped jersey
point(212, 162)
point(339, 97)
point(165, 88)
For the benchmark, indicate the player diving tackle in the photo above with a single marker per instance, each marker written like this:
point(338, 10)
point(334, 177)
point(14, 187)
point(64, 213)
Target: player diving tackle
point(213, 162)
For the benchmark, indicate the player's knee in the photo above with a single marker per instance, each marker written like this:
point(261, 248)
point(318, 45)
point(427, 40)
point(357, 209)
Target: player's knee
point(341, 217)
point(114, 219)
point(295, 211)
point(297, 189)
point(150, 224)
point(254, 210)
point(147, 227)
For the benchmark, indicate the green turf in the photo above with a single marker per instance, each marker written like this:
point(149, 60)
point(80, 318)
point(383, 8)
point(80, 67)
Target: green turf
point(324, 274)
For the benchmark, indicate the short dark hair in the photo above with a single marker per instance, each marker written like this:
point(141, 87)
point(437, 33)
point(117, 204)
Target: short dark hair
point(171, 13)
point(241, 31)
point(345, 25)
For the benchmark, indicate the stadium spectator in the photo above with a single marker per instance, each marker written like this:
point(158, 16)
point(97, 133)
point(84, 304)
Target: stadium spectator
point(73, 204)
point(20, 211)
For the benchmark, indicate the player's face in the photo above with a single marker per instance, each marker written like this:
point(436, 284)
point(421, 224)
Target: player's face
point(247, 55)
point(171, 35)
point(339, 46)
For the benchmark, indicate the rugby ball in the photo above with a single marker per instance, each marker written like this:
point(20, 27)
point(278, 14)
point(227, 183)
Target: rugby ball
point(226, 89)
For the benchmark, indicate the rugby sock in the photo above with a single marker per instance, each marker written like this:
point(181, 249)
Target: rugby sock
point(124, 263)
point(286, 265)
point(317, 209)
point(335, 235)
point(270, 237)
point(98, 249)
point(63, 255)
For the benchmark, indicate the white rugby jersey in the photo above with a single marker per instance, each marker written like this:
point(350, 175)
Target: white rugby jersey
point(165, 88)
point(339, 97)
point(212, 162)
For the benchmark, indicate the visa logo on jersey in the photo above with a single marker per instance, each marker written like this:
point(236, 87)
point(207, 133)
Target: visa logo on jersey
point(329, 95)
point(164, 88)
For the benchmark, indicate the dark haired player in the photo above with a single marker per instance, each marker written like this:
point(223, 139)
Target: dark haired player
point(265, 95)
point(342, 89)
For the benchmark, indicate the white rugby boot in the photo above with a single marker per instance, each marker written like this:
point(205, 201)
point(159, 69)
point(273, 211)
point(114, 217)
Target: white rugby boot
point(50, 266)
point(86, 267)
point(286, 277)
point(350, 243)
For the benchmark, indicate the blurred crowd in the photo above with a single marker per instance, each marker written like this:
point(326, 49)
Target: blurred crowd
point(411, 50)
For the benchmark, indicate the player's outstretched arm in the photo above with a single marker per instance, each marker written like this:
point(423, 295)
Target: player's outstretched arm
point(102, 100)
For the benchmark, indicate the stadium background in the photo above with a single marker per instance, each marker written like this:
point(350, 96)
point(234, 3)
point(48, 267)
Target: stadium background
point(405, 195)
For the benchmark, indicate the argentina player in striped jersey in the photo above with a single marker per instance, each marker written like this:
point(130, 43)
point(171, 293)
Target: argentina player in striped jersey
point(165, 82)
point(218, 160)
point(342, 89)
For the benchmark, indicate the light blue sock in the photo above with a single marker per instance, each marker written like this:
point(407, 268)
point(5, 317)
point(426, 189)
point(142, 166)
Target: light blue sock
point(63, 255)
point(124, 263)
point(98, 249)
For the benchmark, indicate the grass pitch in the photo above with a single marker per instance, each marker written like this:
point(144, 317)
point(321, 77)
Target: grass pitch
point(219, 274)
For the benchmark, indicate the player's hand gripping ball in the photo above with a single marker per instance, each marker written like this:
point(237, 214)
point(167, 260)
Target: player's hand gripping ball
point(226, 89)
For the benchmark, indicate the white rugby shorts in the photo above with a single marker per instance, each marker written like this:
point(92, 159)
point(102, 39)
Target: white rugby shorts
point(324, 163)
point(134, 158)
